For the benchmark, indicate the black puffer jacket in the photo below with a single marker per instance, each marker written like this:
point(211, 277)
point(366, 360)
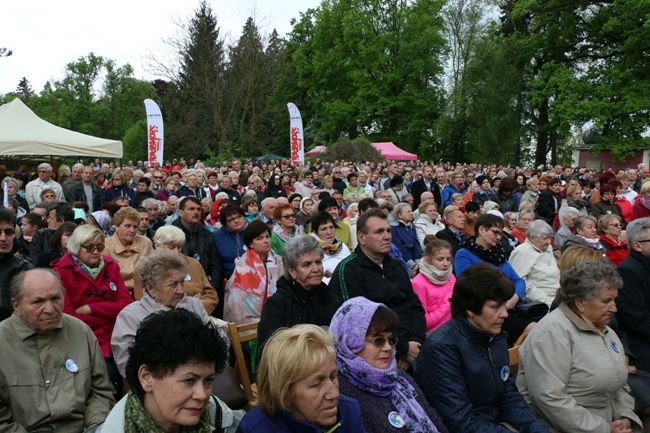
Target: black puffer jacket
point(465, 375)
point(292, 304)
point(10, 265)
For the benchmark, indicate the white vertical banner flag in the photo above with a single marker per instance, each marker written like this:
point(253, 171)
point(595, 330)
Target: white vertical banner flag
point(296, 134)
point(155, 133)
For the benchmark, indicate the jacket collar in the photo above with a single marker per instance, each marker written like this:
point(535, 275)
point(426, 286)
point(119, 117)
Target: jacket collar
point(24, 332)
point(577, 320)
point(364, 260)
point(295, 425)
point(482, 338)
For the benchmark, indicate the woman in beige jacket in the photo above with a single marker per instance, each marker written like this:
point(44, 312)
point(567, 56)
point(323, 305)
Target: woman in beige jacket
point(572, 367)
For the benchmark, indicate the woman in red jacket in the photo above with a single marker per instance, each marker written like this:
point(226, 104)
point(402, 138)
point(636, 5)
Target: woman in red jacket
point(94, 289)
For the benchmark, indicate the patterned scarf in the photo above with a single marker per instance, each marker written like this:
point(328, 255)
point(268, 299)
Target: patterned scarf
point(93, 272)
point(349, 326)
point(137, 420)
point(279, 231)
point(495, 255)
point(645, 201)
point(308, 184)
point(433, 274)
point(329, 249)
point(578, 204)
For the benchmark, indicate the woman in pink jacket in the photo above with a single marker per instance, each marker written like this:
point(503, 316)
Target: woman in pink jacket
point(435, 282)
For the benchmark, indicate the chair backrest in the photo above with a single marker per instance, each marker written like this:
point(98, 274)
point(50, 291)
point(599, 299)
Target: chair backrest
point(513, 352)
point(241, 334)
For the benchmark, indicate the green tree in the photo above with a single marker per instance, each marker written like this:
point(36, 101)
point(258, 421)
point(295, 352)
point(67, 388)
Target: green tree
point(200, 117)
point(371, 67)
point(358, 149)
point(24, 90)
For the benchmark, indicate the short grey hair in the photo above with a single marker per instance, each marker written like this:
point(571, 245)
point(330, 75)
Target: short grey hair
point(10, 180)
point(565, 212)
point(586, 280)
point(266, 201)
point(168, 234)
point(538, 229)
point(635, 230)
point(79, 166)
point(149, 201)
point(45, 165)
point(17, 286)
point(155, 267)
point(398, 209)
point(580, 221)
point(82, 234)
point(525, 211)
point(295, 248)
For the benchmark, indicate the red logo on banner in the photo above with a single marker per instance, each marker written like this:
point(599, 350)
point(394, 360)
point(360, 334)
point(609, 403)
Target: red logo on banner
point(154, 145)
point(296, 145)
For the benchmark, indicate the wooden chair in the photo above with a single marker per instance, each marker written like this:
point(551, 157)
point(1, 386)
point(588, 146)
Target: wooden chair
point(249, 331)
point(513, 352)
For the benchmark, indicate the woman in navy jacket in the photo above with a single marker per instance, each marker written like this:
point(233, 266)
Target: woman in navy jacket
point(463, 366)
point(405, 237)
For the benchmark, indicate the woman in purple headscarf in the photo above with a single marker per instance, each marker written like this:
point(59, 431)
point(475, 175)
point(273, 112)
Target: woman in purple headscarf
point(365, 354)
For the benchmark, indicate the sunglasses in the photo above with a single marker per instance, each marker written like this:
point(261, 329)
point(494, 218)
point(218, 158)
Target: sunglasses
point(380, 341)
point(91, 248)
point(8, 232)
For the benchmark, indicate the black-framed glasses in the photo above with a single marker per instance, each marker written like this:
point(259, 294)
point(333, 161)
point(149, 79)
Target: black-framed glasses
point(645, 240)
point(617, 225)
point(380, 341)
point(8, 232)
point(288, 217)
point(91, 248)
point(235, 218)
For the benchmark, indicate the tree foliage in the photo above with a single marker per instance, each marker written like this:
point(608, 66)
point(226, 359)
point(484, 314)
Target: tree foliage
point(358, 149)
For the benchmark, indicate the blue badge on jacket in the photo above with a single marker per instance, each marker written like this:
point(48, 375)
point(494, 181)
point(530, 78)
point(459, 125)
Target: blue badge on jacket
point(614, 346)
point(396, 420)
point(72, 366)
point(505, 373)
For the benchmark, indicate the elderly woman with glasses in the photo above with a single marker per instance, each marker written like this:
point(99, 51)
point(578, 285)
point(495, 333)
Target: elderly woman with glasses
point(572, 367)
point(94, 289)
point(610, 227)
point(162, 275)
point(285, 227)
point(535, 263)
point(302, 297)
point(197, 284)
point(390, 400)
point(119, 188)
point(230, 237)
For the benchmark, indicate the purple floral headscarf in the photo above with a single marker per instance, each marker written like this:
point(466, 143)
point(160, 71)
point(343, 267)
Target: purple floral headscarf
point(349, 326)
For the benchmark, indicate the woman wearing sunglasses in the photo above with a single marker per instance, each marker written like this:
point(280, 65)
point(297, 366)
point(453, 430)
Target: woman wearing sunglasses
point(364, 337)
point(610, 227)
point(95, 292)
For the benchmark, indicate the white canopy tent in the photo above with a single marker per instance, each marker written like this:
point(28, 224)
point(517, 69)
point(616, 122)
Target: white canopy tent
point(24, 133)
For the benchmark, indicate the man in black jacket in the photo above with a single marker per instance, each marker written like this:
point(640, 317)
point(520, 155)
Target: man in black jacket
point(633, 300)
point(10, 263)
point(373, 273)
point(87, 191)
point(200, 245)
point(426, 184)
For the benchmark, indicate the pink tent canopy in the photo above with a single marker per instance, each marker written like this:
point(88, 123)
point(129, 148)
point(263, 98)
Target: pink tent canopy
point(315, 151)
point(390, 151)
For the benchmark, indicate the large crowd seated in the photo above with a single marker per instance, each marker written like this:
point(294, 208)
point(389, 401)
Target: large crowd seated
point(386, 297)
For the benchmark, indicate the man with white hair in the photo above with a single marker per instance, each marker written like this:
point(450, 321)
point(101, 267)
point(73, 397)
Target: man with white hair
point(75, 176)
point(34, 188)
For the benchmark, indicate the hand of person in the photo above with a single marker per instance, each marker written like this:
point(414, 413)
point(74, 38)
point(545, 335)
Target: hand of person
point(620, 426)
point(512, 302)
point(631, 369)
point(84, 309)
point(414, 351)
point(402, 364)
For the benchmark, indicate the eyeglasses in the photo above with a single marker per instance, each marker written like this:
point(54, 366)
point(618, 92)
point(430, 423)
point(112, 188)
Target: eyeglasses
point(288, 217)
point(497, 233)
point(380, 341)
point(8, 232)
point(157, 177)
point(235, 218)
point(91, 248)
point(645, 240)
point(617, 225)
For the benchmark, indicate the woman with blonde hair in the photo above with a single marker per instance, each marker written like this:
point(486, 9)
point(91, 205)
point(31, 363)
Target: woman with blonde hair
point(298, 388)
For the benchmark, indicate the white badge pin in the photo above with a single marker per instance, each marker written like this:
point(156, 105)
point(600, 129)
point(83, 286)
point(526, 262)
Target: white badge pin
point(197, 257)
point(113, 287)
point(72, 366)
point(396, 420)
point(188, 277)
point(505, 373)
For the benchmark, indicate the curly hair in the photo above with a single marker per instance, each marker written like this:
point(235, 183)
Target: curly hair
point(169, 339)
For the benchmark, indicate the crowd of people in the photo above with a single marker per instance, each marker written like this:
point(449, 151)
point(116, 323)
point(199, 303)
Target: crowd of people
point(386, 296)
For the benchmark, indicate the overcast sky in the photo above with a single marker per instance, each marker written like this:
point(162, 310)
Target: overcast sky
point(44, 35)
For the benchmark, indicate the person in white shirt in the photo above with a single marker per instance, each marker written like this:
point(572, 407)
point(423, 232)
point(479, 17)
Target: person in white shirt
point(34, 188)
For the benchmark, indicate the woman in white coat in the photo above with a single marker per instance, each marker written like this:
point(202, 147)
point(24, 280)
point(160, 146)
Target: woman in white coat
point(429, 221)
point(323, 230)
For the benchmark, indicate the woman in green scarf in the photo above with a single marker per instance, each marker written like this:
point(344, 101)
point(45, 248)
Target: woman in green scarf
point(171, 369)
